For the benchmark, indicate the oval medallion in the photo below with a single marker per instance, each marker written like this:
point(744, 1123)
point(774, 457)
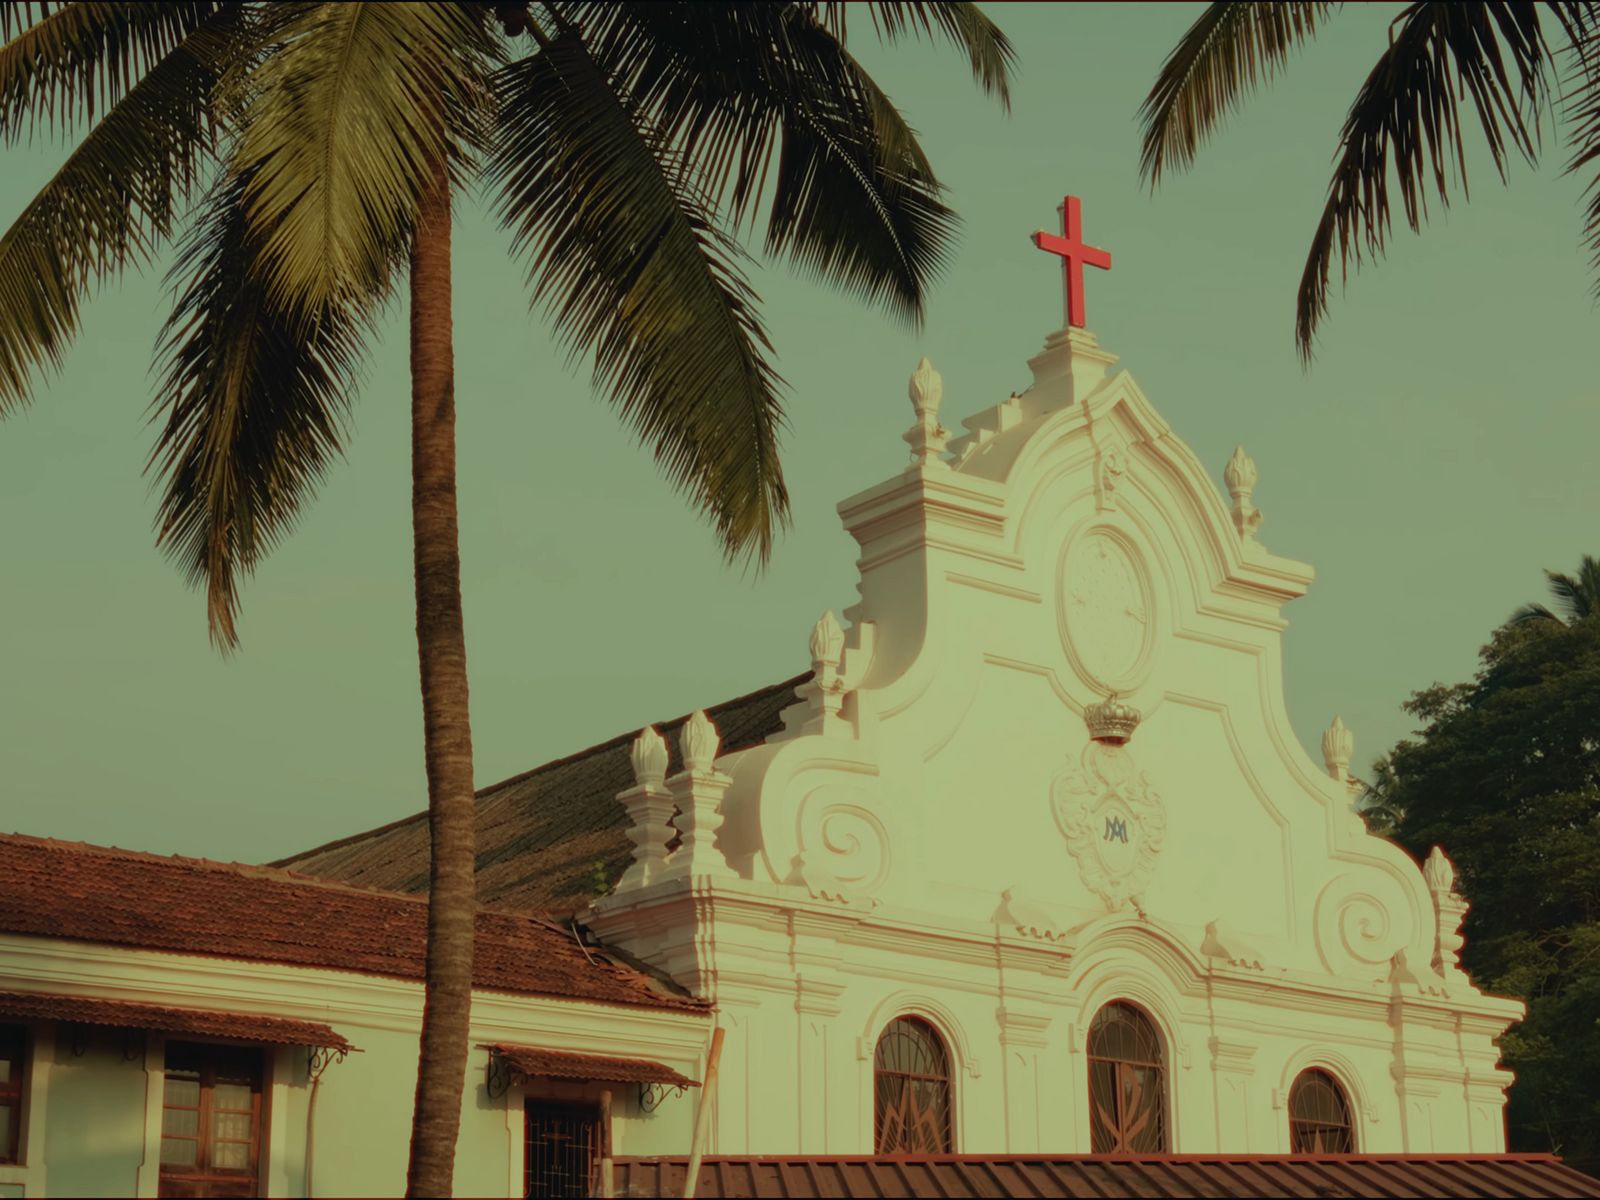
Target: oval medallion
point(1105, 608)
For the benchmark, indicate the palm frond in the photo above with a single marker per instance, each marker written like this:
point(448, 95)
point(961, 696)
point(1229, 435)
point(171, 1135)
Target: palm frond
point(965, 25)
point(624, 254)
point(1529, 613)
point(853, 200)
point(62, 64)
point(109, 205)
point(253, 404)
point(1577, 595)
point(345, 117)
point(1213, 66)
point(1406, 119)
point(1582, 104)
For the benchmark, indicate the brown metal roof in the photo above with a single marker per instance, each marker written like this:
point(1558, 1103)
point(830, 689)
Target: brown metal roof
point(537, 1062)
point(1242, 1175)
point(550, 838)
point(195, 1022)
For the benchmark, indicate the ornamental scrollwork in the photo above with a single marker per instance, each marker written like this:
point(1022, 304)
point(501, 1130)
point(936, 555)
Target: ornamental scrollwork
point(1113, 820)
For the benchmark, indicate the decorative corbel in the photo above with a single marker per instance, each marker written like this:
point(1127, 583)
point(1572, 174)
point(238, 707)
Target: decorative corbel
point(1108, 472)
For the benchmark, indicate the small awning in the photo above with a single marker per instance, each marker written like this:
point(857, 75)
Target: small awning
point(535, 1062)
point(197, 1022)
point(1085, 1175)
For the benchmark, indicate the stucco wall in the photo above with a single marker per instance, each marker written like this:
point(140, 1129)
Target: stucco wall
point(93, 1120)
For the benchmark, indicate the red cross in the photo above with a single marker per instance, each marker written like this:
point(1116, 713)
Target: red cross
point(1074, 254)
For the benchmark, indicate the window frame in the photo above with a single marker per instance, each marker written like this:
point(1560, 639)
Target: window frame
point(1341, 1093)
point(1160, 1068)
point(204, 1175)
point(583, 1111)
point(14, 1091)
point(948, 1079)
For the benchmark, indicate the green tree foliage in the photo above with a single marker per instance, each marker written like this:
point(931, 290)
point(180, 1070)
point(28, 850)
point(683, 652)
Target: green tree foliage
point(304, 156)
point(1504, 774)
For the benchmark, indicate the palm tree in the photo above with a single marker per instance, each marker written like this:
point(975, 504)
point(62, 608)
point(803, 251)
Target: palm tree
point(1577, 596)
point(306, 156)
point(1405, 119)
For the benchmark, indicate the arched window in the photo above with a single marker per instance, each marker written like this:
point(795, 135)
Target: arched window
point(1319, 1115)
point(911, 1084)
point(1127, 1083)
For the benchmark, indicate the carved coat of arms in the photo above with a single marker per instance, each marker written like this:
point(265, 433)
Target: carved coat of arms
point(1113, 820)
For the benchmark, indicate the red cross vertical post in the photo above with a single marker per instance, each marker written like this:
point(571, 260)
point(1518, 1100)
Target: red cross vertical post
point(1074, 255)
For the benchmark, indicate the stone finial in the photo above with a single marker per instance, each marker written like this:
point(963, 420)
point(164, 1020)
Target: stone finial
point(827, 641)
point(1449, 911)
point(699, 742)
point(927, 438)
point(927, 391)
point(649, 756)
point(1439, 871)
point(1240, 475)
point(649, 807)
point(1338, 744)
point(697, 792)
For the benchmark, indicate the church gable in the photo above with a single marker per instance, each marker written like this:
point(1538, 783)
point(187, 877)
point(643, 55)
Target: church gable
point(1061, 693)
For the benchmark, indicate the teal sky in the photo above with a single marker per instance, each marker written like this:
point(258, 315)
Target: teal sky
point(1438, 455)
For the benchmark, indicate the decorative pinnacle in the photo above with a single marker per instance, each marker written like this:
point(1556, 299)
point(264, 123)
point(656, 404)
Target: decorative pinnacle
point(1111, 720)
point(827, 641)
point(1338, 744)
point(927, 391)
point(1439, 872)
point(1240, 474)
point(699, 742)
point(649, 755)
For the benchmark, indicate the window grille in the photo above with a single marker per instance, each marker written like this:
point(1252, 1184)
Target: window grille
point(1127, 1083)
point(1319, 1116)
point(563, 1150)
point(13, 1046)
point(211, 1121)
point(911, 1081)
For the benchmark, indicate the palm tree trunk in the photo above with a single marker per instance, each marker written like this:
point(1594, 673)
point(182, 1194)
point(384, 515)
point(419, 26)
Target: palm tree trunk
point(447, 732)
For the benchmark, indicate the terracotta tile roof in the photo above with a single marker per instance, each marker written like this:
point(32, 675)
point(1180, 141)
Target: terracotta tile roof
point(1101, 1175)
point(262, 914)
point(250, 1027)
point(535, 1062)
point(543, 836)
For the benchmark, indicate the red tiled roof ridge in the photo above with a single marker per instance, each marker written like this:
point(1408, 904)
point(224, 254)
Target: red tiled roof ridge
point(274, 873)
point(552, 764)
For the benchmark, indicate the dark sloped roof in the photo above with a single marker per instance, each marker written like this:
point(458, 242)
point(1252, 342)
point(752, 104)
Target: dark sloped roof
point(536, 1062)
point(199, 1022)
point(1224, 1175)
point(88, 893)
point(550, 839)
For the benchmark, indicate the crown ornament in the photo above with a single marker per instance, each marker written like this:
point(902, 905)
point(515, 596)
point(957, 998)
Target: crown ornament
point(1111, 720)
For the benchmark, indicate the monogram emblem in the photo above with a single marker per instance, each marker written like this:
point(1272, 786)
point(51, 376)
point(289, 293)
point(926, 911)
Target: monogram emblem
point(1113, 820)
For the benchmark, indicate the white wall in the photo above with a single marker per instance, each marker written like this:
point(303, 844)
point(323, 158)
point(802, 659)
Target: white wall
point(94, 1118)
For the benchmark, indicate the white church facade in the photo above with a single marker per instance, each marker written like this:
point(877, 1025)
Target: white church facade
point(1042, 800)
point(1027, 866)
